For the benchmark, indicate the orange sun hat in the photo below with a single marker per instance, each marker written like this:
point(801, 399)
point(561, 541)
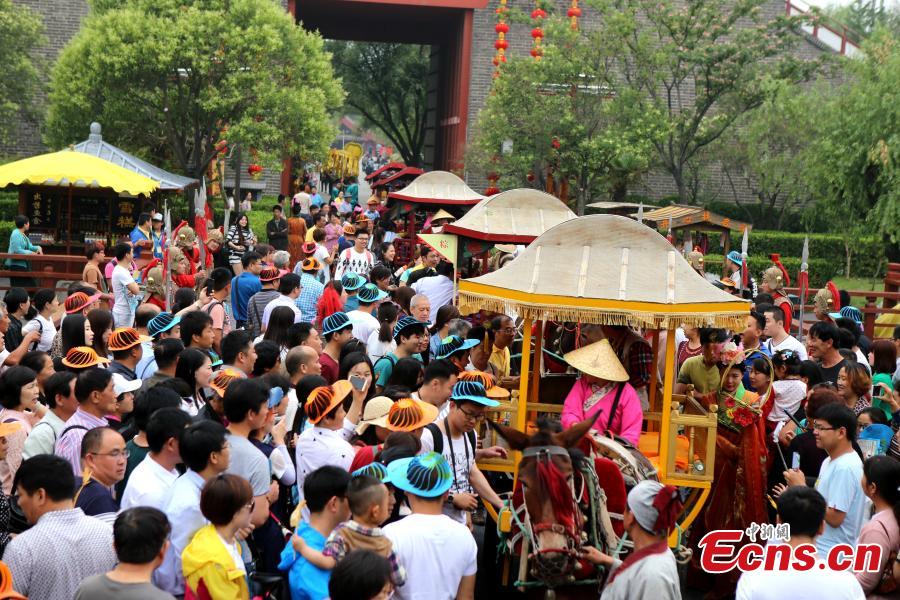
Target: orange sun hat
point(409, 414)
point(323, 399)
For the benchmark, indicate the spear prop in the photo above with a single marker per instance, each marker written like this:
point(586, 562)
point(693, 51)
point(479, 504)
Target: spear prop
point(745, 244)
point(166, 269)
point(803, 284)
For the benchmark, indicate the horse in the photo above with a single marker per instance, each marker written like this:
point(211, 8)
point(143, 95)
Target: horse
point(556, 520)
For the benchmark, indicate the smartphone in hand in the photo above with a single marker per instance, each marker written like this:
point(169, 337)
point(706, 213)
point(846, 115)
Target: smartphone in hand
point(358, 383)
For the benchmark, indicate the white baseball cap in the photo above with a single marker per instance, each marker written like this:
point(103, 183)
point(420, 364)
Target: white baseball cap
point(122, 385)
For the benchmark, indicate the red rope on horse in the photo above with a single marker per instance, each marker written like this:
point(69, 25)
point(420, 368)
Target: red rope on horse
point(556, 486)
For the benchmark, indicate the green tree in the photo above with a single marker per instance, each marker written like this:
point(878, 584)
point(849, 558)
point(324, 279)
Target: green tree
point(387, 83)
point(167, 78)
point(702, 64)
point(852, 164)
point(561, 116)
point(761, 153)
point(20, 30)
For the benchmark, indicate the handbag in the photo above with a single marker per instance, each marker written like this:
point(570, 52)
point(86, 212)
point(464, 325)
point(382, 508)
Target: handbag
point(887, 585)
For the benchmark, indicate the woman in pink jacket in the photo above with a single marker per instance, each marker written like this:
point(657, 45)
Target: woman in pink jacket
point(602, 388)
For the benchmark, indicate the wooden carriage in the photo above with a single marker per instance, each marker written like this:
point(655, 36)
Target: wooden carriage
point(612, 270)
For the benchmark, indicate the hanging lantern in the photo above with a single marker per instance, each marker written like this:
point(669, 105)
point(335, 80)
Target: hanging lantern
point(537, 33)
point(501, 44)
point(492, 189)
point(255, 171)
point(573, 13)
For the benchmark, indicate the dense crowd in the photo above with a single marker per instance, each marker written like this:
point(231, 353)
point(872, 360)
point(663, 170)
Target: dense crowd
point(235, 417)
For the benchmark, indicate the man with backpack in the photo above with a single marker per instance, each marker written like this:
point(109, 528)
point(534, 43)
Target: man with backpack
point(408, 334)
point(455, 438)
point(220, 282)
point(357, 259)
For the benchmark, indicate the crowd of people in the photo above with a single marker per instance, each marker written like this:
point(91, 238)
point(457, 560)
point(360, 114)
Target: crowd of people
point(234, 416)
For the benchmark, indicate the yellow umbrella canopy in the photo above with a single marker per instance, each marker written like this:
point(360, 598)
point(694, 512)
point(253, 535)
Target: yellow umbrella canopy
point(603, 269)
point(68, 168)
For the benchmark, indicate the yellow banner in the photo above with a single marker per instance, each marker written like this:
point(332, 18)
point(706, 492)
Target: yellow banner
point(444, 244)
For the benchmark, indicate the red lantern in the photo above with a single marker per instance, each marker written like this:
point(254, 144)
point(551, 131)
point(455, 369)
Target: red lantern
point(501, 44)
point(537, 33)
point(501, 28)
point(492, 191)
point(530, 176)
point(536, 52)
point(573, 13)
point(538, 13)
point(555, 143)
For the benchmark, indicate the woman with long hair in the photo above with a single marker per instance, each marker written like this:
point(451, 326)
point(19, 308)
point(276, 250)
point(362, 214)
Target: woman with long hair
point(331, 301)
point(441, 327)
point(881, 484)
point(194, 368)
point(382, 341)
point(101, 322)
point(853, 384)
point(74, 331)
point(19, 397)
point(883, 359)
point(280, 322)
point(402, 296)
point(334, 229)
point(240, 240)
point(42, 364)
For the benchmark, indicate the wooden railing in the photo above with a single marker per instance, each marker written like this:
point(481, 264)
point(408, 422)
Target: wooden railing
point(48, 270)
point(871, 309)
point(838, 37)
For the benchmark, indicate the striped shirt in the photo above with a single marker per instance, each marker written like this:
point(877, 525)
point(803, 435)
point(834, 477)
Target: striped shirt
point(68, 444)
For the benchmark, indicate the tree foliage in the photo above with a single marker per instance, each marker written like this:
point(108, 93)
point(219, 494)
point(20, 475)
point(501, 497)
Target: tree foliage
point(167, 78)
point(564, 120)
point(703, 64)
point(852, 166)
point(20, 30)
point(387, 84)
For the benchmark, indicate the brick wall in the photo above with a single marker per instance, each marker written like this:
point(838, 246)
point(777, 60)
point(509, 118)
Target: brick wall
point(62, 19)
point(657, 183)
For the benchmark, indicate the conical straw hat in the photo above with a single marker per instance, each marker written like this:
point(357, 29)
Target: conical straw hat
point(598, 359)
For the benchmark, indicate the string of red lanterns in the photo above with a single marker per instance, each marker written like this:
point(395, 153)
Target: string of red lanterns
point(537, 33)
point(573, 13)
point(501, 44)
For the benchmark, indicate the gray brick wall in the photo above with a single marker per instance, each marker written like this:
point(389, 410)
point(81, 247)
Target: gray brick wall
point(656, 184)
point(62, 19)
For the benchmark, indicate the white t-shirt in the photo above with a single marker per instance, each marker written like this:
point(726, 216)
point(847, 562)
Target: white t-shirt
point(363, 324)
point(438, 290)
point(321, 254)
point(281, 300)
point(461, 459)
point(303, 199)
point(351, 261)
point(799, 585)
point(788, 343)
point(47, 329)
point(375, 348)
point(148, 485)
point(436, 552)
point(121, 279)
point(839, 483)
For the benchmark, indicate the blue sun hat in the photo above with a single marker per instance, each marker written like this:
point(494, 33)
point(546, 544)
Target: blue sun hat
point(735, 257)
point(374, 469)
point(427, 475)
point(370, 293)
point(452, 344)
point(352, 281)
point(162, 322)
point(472, 391)
point(406, 323)
point(848, 312)
point(335, 322)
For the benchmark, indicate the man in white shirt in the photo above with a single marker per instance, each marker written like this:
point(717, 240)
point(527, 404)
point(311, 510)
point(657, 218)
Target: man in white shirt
point(455, 438)
point(125, 289)
point(356, 259)
point(328, 441)
point(438, 553)
point(438, 289)
point(834, 427)
point(150, 481)
point(779, 339)
point(302, 199)
point(804, 509)
point(206, 453)
point(289, 288)
point(364, 322)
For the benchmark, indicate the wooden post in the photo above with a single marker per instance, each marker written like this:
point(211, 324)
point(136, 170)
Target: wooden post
point(522, 409)
point(69, 232)
point(666, 412)
point(536, 365)
point(869, 317)
point(654, 377)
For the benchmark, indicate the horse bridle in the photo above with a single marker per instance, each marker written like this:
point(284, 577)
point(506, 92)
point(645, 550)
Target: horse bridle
point(532, 530)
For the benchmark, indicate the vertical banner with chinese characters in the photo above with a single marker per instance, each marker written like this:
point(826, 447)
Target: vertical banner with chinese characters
point(445, 244)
